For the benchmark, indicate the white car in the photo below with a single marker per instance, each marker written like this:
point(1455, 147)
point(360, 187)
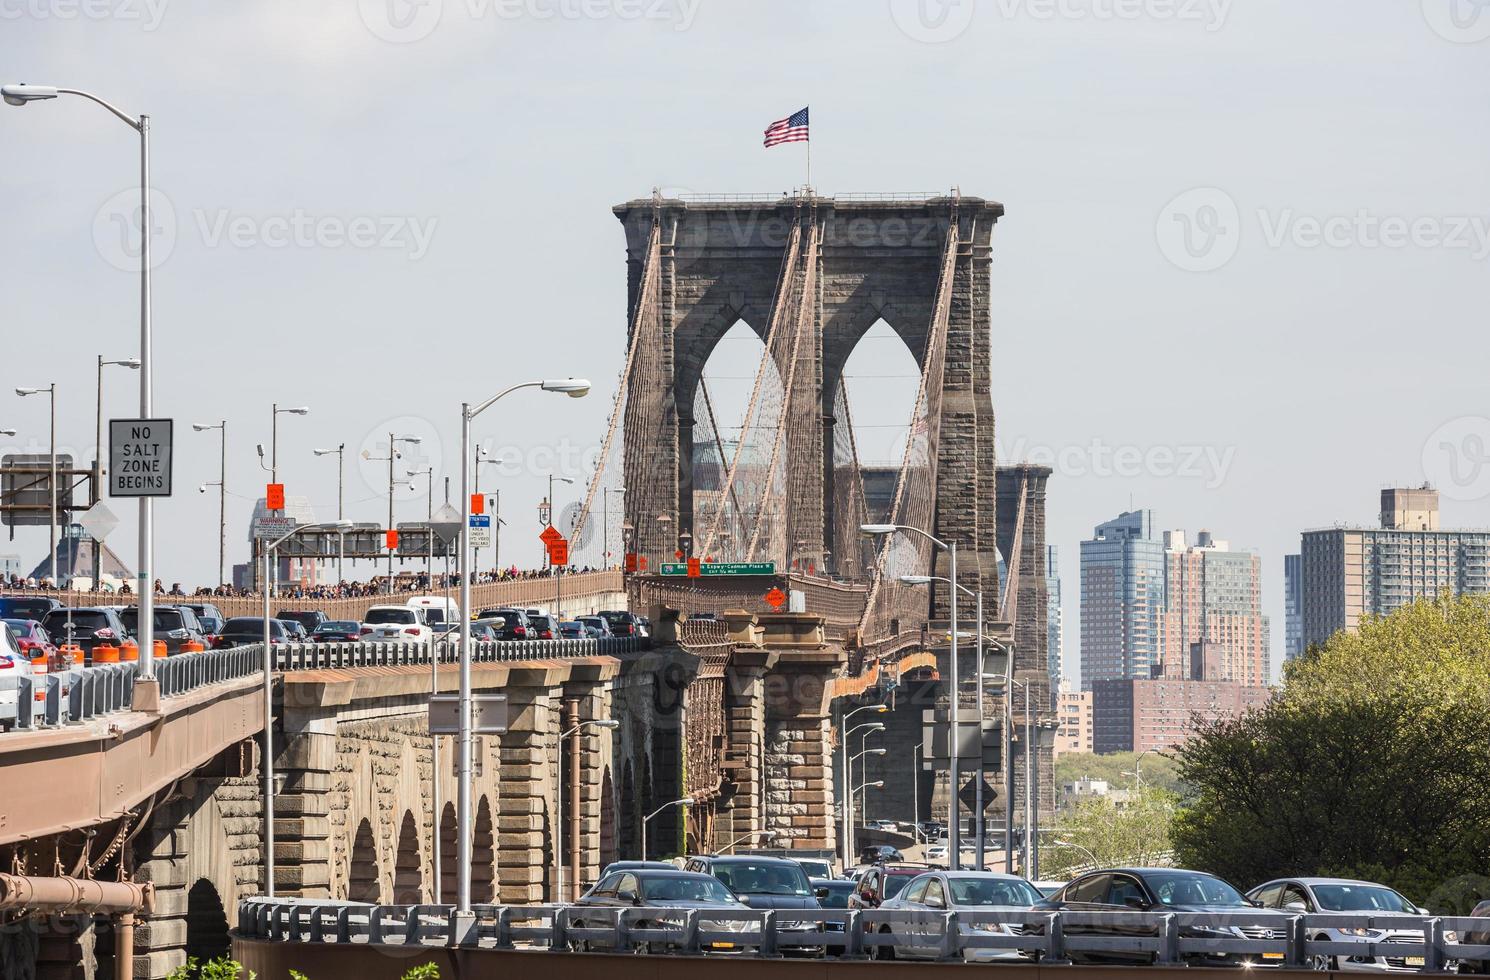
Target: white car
point(1326, 896)
point(938, 892)
point(404, 624)
point(13, 664)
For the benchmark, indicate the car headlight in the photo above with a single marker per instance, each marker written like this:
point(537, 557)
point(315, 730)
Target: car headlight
point(1359, 933)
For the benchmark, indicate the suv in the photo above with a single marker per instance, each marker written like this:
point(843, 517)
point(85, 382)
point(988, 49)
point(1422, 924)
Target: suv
point(208, 615)
point(878, 884)
point(175, 625)
point(32, 607)
point(249, 629)
point(404, 623)
point(542, 626)
point(514, 623)
point(311, 619)
point(621, 623)
point(596, 623)
point(87, 628)
point(768, 883)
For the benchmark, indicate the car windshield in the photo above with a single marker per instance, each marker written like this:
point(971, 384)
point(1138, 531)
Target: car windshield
point(164, 619)
point(338, 626)
point(689, 889)
point(838, 893)
point(1360, 898)
point(82, 619)
point(252, 624)
point(764, 878)
point(816, 869)
point(895, 884)
point(27, 608)
point(992, 891)
point(1190, 889)
point(377, 616)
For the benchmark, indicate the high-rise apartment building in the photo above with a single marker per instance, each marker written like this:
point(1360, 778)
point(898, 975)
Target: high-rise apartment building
point(1213, 610)
point(1352, 572)
point(1293, 606)
point(1122, 600)
point(1054, 628)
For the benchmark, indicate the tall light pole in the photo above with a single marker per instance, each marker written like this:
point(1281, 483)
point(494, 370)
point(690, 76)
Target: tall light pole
point(393, 454)
point(846, 842)
point(558, 569)
point(222, 493)
point(864, 800)
point(429, 516)
point(20, 95)
point(848, 778)
point(954, 822)
point(560, 894)
point(575, 388)
point(133, 363)
point(268, 690)
point(51, 392)
point(341, 470)
point(496, 518)
point(274, 437)
point(765, 836)
point(685, 801)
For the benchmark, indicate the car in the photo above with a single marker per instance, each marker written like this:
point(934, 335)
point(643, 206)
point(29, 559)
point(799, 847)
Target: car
point(309, 619)
point(574, 631)
point(880, 854)
point(637, 866)
point(621, 622)
point(542, 626)
point(294, 630)
point(33, 640)
point(766, 883)
point(1160, 890)
point(486, 630)
point(878, 884)
point(598, 624)
point(337, 631)
point(208, 615)
point(439, 610)
point(1326, 896)
point(249, 629)
point(176, 626)
point(403, 623)
point(13, 664)
point(27, 607)
point(1481, 910)
point(938, 892)
point(514, 623)
point(937, 851)
point(659, 888)
point(889, 826)
point(816, 867)
point(86, 627)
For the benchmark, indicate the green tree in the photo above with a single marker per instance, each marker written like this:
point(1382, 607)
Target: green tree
point(1115, 767)
point(1373, 761)
point(1104, 832)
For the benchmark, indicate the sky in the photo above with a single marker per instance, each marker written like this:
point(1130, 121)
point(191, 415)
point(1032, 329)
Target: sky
point(1240, 280)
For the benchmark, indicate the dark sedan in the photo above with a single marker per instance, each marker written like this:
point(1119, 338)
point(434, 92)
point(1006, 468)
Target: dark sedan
point(658, 888)
point(310, 619)
point(249, 629)
point(1159, 890)
point(175, 626)
point(33, 607)
point(515, 624)
point(337, 631)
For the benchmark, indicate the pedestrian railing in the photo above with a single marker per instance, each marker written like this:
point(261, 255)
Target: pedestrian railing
point(1171, 938)
point(84, 693)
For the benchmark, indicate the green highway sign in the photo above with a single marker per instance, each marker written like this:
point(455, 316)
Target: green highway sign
point(722, 568)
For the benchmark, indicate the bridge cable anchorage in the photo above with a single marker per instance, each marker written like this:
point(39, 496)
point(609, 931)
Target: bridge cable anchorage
point(637, 413)
point(890, 601)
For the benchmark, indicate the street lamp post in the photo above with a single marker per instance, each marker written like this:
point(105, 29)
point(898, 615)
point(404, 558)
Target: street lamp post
point(685, 801)
point(20, 95)
point(764, 835)
point(393, 441)
point(557, 569)
point(575, 388)
point(429, 517)
point(341, 469)
point(268, 688)
point(954, 823)
point(133, 363)
point(560, 894)
point(864, 800)
point(846, 842)
point(51, 392)
point(496, 518)
point(222, 493)
point(848, 782)
point(272, 582)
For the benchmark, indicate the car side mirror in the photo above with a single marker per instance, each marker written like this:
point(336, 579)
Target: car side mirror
point(1296, 907)
point(628, 896)
point(935, 903)
point(1134, 902)
point(822, 892)
point(1423, 911)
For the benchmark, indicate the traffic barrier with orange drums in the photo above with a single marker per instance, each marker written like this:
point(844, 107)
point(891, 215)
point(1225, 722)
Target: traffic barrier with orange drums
point(160, 649)
point(105, 654)
point(71, 653)
point(129, 651)
point(192, 646)
point(40, 667)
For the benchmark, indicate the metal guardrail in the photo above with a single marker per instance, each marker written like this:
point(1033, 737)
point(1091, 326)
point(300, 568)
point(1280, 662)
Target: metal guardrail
point(84, 693)
point(1168, 937)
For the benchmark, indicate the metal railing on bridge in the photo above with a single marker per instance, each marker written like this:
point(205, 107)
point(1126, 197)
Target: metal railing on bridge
point(85, 693)
point(1166, 938)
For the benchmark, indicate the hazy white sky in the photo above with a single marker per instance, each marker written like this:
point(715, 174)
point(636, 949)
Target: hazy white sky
point(1241, 280)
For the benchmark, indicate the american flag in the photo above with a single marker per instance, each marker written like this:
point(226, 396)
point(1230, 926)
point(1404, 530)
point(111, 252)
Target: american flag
point(792, 129)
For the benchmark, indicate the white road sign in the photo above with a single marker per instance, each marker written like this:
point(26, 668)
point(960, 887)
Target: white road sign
point(272, 528)
point(97, 521)
point(140, 457)
point(480, 530)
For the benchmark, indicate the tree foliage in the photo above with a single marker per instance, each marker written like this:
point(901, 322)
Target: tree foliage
point(1158, 770)
point(1373, 761)
point(1107, 834)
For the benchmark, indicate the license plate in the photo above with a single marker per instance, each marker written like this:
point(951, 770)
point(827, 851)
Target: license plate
point(1272, 956)
point(1414, 961)
point(721, 945)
